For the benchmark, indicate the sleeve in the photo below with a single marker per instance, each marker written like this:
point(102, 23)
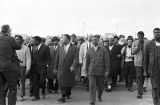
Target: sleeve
point(123, 51)
point(81, 53)
point(106, 60)
point(48, 55)
point(75, 61)
point(135, 48)
point(56, 60)
point(28, 59)
point(146, 57)
point(87, 62)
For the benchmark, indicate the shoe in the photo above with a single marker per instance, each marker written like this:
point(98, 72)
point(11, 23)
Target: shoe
point(68, 97)
point(130, 89)
point(139, 96)
point(100, 100)
point(87, 89)
point(144, 89)
point(21, 98)
point(61, 100)
point(56, 91)
point(31, 94)
point(43, 96)
point(35, 99)
point(49, 91)
point(108, 90)
point(92, 103)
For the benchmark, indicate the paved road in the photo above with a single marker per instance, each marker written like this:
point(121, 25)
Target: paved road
point(119, 96)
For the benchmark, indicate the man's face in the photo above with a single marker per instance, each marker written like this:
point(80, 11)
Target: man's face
point(80, 42)
point(157, 34)
point(55, 42)
point(105, 43)
point(122, 39)
point(115, 40)
point(129, 42)
point(19, 40)
point(33, 42)
point(64, 40)
point(89, 38)
point(73, 39)
point(140, 37)
point(49, 42)
point(95, 41)
point(111, 41)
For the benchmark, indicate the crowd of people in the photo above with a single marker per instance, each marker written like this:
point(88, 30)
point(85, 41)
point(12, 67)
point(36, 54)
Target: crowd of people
point(57, 64)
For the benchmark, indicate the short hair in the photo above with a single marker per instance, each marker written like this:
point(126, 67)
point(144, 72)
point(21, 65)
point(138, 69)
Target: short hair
point(121, 36)
point(37, 38)
point(5, 28)
point(130, 38)
point(19, 37)
point(140, 33)
point(156, 29)
point(97, 36)
point(55, 39)
point(116, 37)
point(73, 35)
point(67, 36)
point(81, 39)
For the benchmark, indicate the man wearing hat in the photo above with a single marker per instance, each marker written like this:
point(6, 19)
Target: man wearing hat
point(52, 78)
point(8, 66)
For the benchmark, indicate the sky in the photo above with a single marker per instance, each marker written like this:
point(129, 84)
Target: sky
point(55, 17)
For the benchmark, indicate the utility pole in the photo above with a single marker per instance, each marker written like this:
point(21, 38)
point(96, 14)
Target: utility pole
point(84, 26)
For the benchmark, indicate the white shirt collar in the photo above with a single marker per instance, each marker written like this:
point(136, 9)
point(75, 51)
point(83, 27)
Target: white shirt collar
point(157, 44)
point(95, 48)
point(39, 46)
point(67, 47)
point(110, 47)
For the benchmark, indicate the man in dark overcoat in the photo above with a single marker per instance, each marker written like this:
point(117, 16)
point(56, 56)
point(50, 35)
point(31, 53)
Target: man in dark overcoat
point(51, 77)
point(65, 64)
point(114, 55)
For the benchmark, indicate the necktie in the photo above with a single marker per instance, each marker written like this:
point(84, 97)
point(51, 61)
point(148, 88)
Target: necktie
point(65, 48)
point(34, 49)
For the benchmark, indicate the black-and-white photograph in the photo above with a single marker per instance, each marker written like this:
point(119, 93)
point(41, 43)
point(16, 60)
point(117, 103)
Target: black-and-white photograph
point(79, 52)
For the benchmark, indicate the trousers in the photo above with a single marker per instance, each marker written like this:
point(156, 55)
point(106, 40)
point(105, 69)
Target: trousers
point(8, 79)
point(95, 82)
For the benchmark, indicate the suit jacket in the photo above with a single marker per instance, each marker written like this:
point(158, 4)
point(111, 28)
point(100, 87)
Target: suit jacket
point(63, 62)
point(53, 52)
point(97, 62)
point(138, 53)
point(150, 59)
point(40, 59)
point(8, 46)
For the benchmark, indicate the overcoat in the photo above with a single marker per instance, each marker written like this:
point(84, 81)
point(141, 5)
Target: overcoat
point(63, 62)
point(50, 73)
point(114, 60)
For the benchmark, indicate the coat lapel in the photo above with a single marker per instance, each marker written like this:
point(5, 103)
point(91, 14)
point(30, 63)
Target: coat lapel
point(40, 48)
point(112, 50)
point(69, 50)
